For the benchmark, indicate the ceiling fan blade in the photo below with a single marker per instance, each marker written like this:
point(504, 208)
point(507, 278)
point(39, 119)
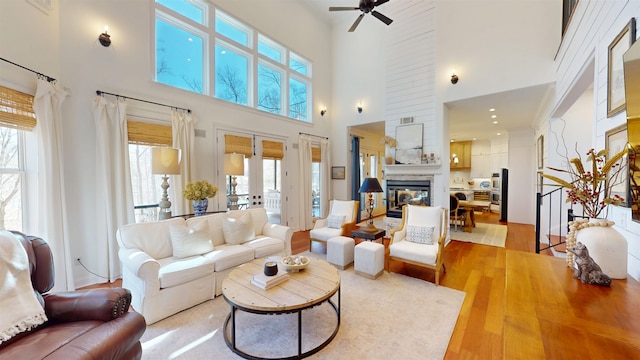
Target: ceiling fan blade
point(342, 8)
point(380, 2)
point(355, 24)
point(381, 17)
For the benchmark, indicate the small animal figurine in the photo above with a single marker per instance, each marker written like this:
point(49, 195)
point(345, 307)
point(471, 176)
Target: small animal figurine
point(587, 270)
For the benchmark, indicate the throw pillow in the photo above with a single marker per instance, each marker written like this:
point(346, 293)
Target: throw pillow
point(238, 230)
point(188, 241)
point(420, 234)
point(335, 221)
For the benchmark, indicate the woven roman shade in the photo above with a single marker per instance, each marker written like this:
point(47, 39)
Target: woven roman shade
point(237, 144)
point(272, 150)
point(315, 154)
point(149, 134)
point(16, 109)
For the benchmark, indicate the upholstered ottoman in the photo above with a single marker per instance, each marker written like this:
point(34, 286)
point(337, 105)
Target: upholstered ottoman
point(340, 251)
point(369, 259)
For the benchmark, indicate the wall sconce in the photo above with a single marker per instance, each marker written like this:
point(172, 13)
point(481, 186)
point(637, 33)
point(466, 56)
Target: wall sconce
point(323, 111)
point(454, 77)
point(359, 109)
point(105, 38)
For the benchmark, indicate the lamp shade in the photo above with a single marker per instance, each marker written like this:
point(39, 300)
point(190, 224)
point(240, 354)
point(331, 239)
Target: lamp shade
point(234, 164)
point(165, 160)
point(370, 185)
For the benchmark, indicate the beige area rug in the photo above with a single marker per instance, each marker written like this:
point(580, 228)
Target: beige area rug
point(393, 317)
point(484, 234)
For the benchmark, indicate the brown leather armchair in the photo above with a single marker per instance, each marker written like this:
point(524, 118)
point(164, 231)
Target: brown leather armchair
point(86, 324)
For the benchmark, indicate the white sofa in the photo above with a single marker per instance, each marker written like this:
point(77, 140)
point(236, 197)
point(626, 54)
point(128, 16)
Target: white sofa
point(164, 280)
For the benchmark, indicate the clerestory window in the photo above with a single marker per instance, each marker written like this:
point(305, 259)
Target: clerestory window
point(205, 50)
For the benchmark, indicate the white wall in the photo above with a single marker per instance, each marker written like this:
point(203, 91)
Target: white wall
point(67, 48)
point(593, 27)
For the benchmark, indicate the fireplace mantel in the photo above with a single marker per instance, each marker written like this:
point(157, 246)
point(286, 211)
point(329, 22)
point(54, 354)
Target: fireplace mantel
point(412, 169)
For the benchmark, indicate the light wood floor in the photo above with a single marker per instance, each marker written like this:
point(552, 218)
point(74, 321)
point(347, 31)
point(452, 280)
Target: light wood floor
point(480, 271)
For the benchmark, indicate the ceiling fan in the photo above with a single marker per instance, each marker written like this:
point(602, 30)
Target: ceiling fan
point(365, 6)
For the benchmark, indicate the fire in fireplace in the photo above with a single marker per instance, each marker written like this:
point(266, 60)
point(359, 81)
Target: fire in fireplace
point(403, 192)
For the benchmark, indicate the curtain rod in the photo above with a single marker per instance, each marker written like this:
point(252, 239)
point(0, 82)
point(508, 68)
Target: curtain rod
point(323, 137)
point(49, 78)
point(100, 93)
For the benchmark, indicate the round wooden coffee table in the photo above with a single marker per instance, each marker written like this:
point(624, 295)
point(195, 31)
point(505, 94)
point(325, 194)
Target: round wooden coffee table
point(303, 290)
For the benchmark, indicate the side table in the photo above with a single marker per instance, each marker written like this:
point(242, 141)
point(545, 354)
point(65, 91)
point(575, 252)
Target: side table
point(369, 236)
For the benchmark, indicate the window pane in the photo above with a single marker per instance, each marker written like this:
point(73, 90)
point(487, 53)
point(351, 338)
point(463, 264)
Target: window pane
point(10, 180)
point(300, 65)
point(231, 75)
point(179, 57)
point(269, 49)
point(269, 89)
point(146, 186)
point(297, 100)
point(184, 8)
point(225, 26)
point(9, 157)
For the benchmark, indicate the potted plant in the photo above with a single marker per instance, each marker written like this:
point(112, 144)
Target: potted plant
point(199, 193)
point(591, 187)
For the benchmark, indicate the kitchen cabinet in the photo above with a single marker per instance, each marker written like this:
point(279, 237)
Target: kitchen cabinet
point(462, 152)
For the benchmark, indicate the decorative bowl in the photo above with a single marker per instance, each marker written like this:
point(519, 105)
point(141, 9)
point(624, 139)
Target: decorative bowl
point(294, 263)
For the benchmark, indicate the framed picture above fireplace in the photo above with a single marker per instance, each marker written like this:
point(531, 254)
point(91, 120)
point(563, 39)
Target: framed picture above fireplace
point(409, 144)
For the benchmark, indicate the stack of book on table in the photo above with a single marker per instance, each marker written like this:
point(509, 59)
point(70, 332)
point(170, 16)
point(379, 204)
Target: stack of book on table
point(266, 282)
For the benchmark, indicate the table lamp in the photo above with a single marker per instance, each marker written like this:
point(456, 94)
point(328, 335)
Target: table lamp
point(370, 185)
point(165, 161)
point(233, 166)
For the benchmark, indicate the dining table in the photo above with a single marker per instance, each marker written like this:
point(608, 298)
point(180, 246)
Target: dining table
point(471, 206)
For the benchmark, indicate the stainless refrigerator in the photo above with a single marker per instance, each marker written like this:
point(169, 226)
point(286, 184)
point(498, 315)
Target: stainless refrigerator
point(500, 192)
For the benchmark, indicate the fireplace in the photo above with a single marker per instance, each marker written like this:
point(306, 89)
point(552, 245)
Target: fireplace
point(403, 192)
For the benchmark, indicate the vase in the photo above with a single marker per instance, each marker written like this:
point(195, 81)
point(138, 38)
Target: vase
point(200, 206)
point(607, 247)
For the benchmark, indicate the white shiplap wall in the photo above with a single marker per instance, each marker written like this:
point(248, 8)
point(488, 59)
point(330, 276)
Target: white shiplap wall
point(593, 27)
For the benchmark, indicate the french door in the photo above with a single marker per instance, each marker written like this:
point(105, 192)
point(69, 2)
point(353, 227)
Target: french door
point(371, 166)
point(261, 186)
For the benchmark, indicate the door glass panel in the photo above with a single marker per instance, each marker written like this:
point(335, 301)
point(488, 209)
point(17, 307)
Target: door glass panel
point(272, 189)
point(315, 189)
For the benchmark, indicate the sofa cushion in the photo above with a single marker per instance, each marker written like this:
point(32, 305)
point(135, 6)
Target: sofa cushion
point(227, 256)
point(324, 234)
point(341, 207)
point(179, 271)
point(420, 234)
point(422, 253)
point(153, 237)
point(214, 223)
point(189, 241)
point(259, 217)
point(335, 221)
point(265, 246)
point(238, 230)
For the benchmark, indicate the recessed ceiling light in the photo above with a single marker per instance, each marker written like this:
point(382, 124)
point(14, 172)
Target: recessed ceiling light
point(498, 134)
point(473, 139)
point(495, 122)
point(494, 116)
point(492, 109)
point(452, 140)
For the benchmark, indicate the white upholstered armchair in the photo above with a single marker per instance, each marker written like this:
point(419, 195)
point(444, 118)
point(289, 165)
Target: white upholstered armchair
point(420, 239)
point(340, 221)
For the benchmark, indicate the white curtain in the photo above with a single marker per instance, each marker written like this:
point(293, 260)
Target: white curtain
point(325, 175)
point(182, 123)
point(305, 196)
point(52, 214)
point(114, 197)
